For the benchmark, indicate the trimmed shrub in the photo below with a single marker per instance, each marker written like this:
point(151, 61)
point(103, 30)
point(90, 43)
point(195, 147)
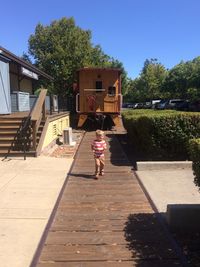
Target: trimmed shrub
point(161, 135)
point(194, 151)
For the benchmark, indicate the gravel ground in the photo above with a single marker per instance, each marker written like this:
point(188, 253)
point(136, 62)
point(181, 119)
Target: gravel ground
point(66, 151)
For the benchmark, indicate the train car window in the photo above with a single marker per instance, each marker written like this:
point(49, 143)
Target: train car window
point(111, 90)
point(98, 86)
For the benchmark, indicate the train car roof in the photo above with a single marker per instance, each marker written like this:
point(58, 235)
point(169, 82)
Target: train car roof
point(97, 68)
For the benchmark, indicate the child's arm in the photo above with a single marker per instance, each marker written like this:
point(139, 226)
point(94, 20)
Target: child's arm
point(105, 145)
point(92, 146)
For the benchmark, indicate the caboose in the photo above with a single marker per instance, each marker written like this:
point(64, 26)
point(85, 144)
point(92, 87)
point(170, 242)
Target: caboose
point(99, 94)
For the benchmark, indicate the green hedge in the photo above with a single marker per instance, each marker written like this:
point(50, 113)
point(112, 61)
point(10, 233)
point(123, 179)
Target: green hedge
point(161, 135)
point(194, 151)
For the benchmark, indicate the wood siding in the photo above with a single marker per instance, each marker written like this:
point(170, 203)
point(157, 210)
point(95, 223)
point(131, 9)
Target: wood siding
point(101, 101)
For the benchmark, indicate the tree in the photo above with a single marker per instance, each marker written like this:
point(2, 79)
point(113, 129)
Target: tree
point(114, 63)
point(148, 85)
point(153, 76)
point(60, 49)
point(26, 57)
point(183, 80)
point(176, 81)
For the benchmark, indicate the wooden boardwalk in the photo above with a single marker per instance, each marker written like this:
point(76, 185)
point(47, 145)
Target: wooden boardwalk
point(106, 222)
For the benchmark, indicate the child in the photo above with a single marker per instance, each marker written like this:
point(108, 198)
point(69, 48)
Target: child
point(98, 146)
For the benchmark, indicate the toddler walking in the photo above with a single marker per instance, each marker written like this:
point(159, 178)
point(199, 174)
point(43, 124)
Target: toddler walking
point(98, 146)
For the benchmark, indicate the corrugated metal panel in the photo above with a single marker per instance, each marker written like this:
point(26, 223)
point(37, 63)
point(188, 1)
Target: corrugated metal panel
point(33, 99)
point(5, 104)
point(47, 102)
point(14, 105)
point(23, 102)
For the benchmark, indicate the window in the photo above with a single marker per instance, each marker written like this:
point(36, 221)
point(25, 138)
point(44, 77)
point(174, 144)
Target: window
point(111, 90)
point(98, 86)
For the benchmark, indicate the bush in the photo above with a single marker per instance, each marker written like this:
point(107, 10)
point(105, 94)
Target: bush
point(161, 135)
point(194, 151)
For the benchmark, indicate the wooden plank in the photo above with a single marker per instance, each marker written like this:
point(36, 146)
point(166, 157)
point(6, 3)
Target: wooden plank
point(131, 263)
point(106, 237)
point(104, 252)
point(114, 225)
point(86, 238)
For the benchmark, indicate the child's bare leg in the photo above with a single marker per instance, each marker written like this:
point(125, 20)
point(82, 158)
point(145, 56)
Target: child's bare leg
point(102, 164)
point(97, 167)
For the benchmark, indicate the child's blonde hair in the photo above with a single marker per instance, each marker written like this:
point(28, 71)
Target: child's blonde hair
point(99, 133)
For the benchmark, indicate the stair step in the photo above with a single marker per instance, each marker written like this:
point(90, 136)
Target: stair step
point(4, 122)
point(6, 138)
point(7, 132)
point(4, 145)
point(11, 119)
point(9, 127)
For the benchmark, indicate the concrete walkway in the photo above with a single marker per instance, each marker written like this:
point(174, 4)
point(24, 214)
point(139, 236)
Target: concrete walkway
point(28, 192)
point(171, 185)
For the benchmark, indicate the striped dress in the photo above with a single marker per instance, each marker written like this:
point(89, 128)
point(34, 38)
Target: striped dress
point(98, 147)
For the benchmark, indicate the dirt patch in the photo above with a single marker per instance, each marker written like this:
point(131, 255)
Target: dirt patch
point(61, 150)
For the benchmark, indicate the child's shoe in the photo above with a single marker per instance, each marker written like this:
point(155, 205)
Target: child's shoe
point(102, 173)
point(96, 176)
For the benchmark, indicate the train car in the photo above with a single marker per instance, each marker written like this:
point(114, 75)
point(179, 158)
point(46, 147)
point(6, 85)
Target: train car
point(99, 94)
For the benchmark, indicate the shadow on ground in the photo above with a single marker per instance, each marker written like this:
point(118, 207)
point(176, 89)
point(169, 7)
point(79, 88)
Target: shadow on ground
point(121, 153)
point(82, 175)
point(149, 243)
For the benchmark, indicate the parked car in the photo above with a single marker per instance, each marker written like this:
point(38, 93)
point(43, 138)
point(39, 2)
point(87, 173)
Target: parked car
point(195, 106)
point(147, 105)
point(183, 106)
point(172, 103)
point(154, 103)
point(161, 105)
point(131, 105)
point(128, 105)
point(139, 105)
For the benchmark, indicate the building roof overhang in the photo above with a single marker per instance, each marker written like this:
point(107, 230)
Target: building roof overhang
point(11, 57)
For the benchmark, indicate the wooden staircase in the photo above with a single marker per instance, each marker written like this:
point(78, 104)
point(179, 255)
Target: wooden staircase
point(19, 133)
point(9, 139)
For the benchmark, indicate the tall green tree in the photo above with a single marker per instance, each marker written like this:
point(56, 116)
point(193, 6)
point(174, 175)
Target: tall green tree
point(183, 80)
point(153, 76)
point(176, 82)
point(114, 63)
point(60, 49)
point(148, 85)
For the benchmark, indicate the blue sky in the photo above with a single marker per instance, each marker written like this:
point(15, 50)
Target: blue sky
point(129, 30)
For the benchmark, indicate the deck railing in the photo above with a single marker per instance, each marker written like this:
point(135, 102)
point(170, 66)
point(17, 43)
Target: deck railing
point(38, 114)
